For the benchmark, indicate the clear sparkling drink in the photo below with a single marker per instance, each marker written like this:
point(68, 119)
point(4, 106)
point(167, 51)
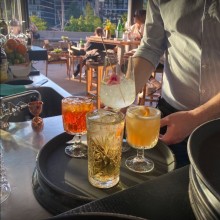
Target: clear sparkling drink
point(118, 95)
point(117, 88)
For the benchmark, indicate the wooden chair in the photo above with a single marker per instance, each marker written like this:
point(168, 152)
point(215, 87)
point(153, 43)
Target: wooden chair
point(151, 91)
point(93, 86)
point(58, 58)
point(75, 58)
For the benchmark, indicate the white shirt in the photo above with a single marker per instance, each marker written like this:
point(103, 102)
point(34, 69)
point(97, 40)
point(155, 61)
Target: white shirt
point(189, 34)
point(136, 31)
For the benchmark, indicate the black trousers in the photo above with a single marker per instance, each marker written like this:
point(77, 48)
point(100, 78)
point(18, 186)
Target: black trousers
point(180, 149)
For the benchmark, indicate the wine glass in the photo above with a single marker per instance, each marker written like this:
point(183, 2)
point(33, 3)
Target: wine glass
point(142, 127)
point(117, 88)
point(35, 108)
point(74, 109)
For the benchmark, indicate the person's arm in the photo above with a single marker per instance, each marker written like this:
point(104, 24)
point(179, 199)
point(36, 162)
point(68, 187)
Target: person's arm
point(142, 72)
point(181, 124)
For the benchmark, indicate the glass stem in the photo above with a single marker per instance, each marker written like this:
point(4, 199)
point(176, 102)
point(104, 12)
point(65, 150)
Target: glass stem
point(140, 155)
point(79, 139)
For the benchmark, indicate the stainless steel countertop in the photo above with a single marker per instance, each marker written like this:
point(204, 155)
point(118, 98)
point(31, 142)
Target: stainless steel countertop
point(21, 145)
point(39, 78)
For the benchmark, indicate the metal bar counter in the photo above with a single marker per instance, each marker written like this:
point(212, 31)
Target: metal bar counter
point(21, 145)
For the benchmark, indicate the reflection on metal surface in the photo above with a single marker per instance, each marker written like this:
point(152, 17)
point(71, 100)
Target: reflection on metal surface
point(9, 108)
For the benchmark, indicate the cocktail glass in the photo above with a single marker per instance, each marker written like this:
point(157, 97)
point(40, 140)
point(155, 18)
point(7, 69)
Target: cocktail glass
point(142, 128)
point(74, 109)
point(117, 88)
point(105, 130)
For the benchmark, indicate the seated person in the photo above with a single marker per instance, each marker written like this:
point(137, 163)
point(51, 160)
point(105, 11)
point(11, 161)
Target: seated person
point(137, 29)
point(34, 30)
point(93, 50)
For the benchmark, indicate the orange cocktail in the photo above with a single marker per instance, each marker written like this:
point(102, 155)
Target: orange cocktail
point(74, 110)
point(74, 114)
point(142, 126)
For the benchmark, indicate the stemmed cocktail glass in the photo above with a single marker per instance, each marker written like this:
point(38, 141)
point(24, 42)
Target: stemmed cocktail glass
point(117, 89)
point(142, 127)
point(74, 109)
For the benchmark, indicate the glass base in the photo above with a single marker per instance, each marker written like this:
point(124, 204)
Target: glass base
point(76, 150)
point(139, 165)
point(103, 185)
point(5, 191)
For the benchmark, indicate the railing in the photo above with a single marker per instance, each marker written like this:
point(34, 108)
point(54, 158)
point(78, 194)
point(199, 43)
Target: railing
point(56, 35)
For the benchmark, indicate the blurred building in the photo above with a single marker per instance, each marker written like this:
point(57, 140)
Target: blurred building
point(56, 12)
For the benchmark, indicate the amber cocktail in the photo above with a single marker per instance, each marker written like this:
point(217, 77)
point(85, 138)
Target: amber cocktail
point(142, 128)
point(74, 111)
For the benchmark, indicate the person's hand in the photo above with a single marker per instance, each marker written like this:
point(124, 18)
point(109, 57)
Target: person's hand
point(128, 54)
point(179, 126)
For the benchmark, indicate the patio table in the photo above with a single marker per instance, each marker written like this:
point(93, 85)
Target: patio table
point(121, 44)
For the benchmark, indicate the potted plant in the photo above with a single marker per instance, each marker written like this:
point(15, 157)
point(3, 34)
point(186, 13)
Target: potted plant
point(109, 28)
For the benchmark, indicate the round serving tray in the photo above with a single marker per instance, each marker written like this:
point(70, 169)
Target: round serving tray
point(60, 182)
point(96, 216)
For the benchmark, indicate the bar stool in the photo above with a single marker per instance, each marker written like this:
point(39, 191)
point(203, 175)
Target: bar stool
point(92, 89)
point(72, 59)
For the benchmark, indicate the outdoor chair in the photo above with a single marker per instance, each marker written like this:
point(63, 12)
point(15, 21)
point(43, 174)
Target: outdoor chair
point(73, 58)
point(58, 58)
point(151, 91)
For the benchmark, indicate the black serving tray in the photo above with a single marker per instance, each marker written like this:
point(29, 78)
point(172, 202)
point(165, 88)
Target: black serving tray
point(60, 182)
point(96, 216)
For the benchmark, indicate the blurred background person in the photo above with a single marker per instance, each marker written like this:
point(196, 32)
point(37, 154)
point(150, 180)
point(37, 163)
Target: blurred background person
point(34, 31)
point(14, 27)
point(93, 50)
point(137, 29)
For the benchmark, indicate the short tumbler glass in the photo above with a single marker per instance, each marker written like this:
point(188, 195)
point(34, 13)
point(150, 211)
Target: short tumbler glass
point(104, 138)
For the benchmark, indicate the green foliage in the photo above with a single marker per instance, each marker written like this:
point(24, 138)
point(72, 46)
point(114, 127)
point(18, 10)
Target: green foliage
point(124, 19)
point(87, 23)
point(145, 4)
point(39, 22)
point(74, 10)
